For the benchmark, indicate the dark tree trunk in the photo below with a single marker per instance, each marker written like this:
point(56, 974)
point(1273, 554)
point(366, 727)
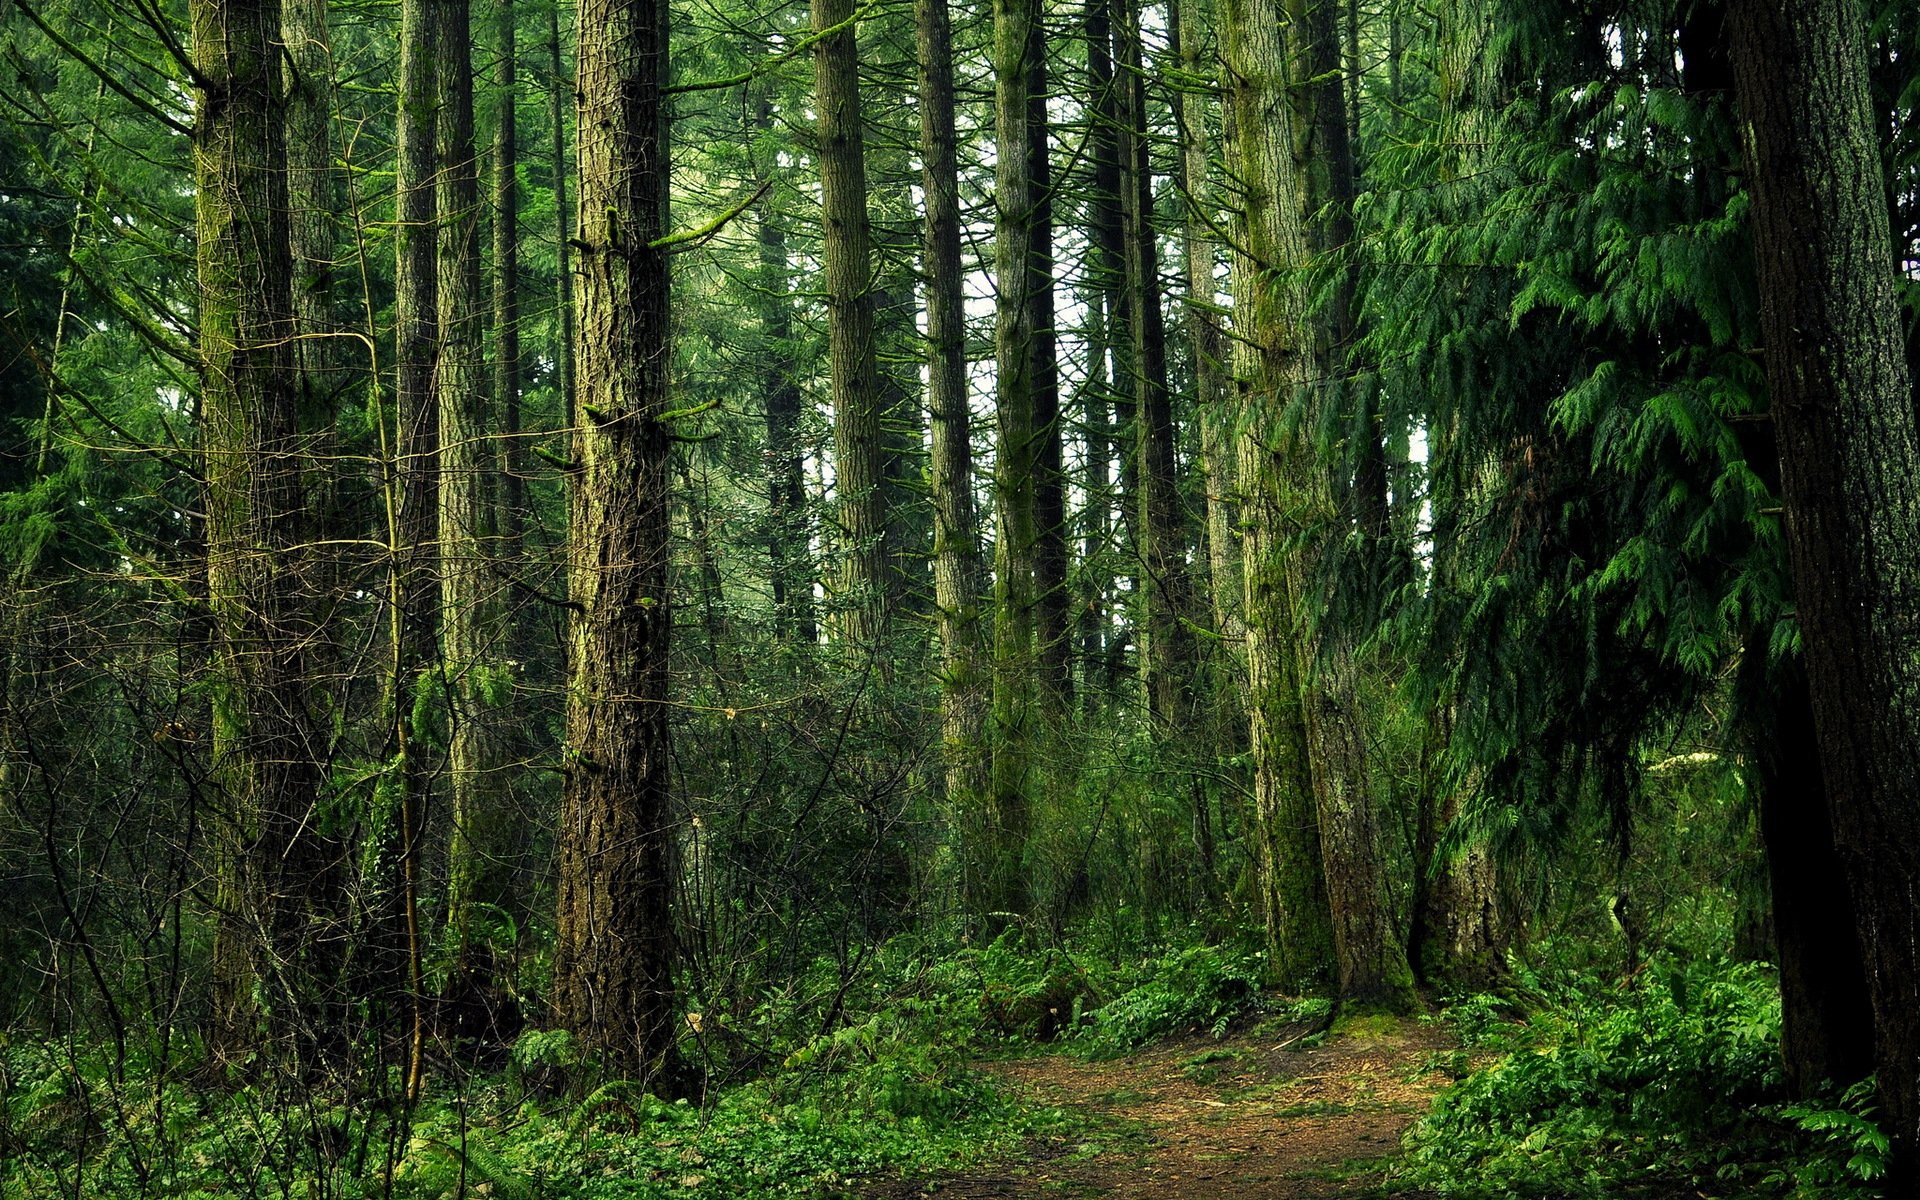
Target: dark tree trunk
point(1826, 1015)
point(1850, 474)
point(614, 931)
point(278, 938)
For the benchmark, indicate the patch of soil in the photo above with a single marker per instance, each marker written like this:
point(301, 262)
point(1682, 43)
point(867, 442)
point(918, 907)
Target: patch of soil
point(1257, 1114)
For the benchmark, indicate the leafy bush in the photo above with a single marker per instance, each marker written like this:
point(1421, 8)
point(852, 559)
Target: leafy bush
point(1674, 1080)
point(1197, 988)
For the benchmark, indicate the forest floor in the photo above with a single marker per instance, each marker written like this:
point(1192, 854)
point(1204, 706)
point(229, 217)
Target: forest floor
point(1273, 1112)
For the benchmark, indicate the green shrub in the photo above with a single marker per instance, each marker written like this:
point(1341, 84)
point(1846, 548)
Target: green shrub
point(1184, 991)
point(1672, 1081)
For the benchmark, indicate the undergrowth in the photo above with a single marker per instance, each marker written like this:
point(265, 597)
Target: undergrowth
point(1668, 1085)
point(846, 1075)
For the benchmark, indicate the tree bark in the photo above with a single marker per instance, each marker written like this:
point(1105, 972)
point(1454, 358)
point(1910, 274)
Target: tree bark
point(1850, 472)
point(1272, 355)
point(1018, 462)
point(789, 559)
point(470, 620)
point(869, 591)
point(956, 533)
point(278, 935)
point(614, 932)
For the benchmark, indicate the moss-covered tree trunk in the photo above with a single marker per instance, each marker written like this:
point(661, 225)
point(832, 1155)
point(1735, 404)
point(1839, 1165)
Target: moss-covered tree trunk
point(278, 939)
point(1843, 411)
point(614, 943)
point(1016, 719)
point(956, 532)
point(1272, 357)
point(470, 620)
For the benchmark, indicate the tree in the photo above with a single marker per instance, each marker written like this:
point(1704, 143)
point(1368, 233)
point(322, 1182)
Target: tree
point(281, 902)
point(614, 943)
point(1271, 360)
point(870, 586)
point(956, 532)
point(1843, 411)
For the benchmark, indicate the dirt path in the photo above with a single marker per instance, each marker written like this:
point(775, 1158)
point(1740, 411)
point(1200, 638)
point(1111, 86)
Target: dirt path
point(1262, 1114)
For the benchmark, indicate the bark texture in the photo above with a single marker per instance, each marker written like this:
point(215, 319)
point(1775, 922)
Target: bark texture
point(278, 936)
point(869, 590)
point(956, 531)
point(1273, 352)
point(1850, 473)
point(614, 943)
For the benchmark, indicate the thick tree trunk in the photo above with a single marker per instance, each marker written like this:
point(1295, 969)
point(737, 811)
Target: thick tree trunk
point(1272, 356)
point(1850, 472)
point(614, 937)
point(278, 934)
point(870, 583)
point(956, 531)
point(1372, 954)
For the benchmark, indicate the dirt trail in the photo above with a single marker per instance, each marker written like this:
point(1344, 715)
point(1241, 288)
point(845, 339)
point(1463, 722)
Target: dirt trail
point(1262, 1114)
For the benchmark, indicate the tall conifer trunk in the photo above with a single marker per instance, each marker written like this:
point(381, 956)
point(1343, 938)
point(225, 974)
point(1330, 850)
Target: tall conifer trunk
point(614, 939)
point(470, 623)
point(1272, 358)
point(1850, 471)
point(869, 584)
point(278, 937)
point(1018, 461)
point(956, 531)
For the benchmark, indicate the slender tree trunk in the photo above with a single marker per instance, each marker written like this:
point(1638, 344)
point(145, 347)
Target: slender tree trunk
point(1108, 348)
point(557, 89)
point(1272, 357)
point(956, 532)
point(1850, 471)
point(470, 624)
point(868, 585)
point(1019, 459)
point(511, 502)
point(278, 933)
point(1212, 373)
point(1826, 1013)
point(1051, 627)
point(789, 559)
point(412, 519)
point(614, 940)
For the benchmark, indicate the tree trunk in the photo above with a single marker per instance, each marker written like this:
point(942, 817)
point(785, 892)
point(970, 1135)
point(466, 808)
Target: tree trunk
point(412, 520)
point(789, 559)
point(1019, 459)
point(614, 936)
point(1850, 473)
point(956, 532)
point(1272, 358)
point(1212, 377)
point(1826, 1014)
point(278, 935)
point(1051, 630)
point(869, 591)
point(563, 349)
point(470, 625)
